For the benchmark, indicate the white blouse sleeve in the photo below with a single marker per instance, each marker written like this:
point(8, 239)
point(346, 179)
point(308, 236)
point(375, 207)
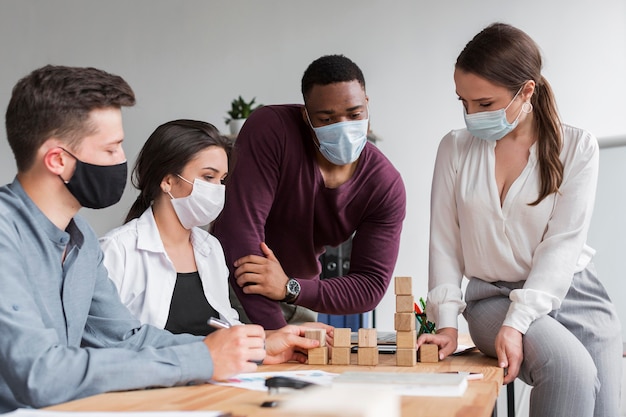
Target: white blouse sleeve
point(114, 261)
point(446, 265)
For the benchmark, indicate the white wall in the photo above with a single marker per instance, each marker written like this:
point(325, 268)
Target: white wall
point(189, 59)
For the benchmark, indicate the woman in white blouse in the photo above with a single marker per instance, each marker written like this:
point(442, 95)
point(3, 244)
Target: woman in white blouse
point(511, 203)
point(169, 271)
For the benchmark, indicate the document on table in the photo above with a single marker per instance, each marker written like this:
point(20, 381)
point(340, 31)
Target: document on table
point(27, 412)
point(256, 380)
point(461, 349)
point(408, 383)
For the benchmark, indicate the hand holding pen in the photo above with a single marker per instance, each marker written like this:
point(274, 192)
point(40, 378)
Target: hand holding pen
point(237, 349)
point(218, 324)
point(222, 324)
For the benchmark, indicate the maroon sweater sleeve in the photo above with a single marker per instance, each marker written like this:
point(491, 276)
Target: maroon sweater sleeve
point(250, 190)
point(275, 194)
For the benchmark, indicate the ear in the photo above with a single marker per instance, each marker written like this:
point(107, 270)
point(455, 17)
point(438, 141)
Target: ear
point(166, 183)
point(528, 90)
point(303, 113)
point(55, 159)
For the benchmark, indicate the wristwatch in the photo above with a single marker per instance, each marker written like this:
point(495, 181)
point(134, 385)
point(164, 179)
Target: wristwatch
point(293, 291)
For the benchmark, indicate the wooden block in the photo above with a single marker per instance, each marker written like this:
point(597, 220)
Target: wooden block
point(341, 355)
point(406, 357)
point(406, 339)
point(429, 353)
point(404, 304)
point(316, 334)
point(403, 285)
point(367, 356)
point(341, 337)
point(318, 356)
point(367, 338)
point(404, 321)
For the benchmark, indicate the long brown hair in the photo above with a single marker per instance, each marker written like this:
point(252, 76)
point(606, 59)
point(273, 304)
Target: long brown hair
point(505, 55)
point(168, 149)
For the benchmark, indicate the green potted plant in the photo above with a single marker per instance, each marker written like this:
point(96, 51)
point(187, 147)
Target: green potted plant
point(239, 111)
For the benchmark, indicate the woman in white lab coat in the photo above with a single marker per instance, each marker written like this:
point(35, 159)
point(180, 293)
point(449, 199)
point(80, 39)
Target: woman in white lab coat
point(169, 271)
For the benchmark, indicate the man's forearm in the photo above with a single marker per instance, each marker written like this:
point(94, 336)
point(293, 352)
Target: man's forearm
point(261, 310)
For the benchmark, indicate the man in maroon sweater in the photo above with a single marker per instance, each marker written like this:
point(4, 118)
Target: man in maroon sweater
point(305, 177)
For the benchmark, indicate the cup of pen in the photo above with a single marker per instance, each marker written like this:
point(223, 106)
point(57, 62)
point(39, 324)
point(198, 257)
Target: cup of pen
point(422, 323)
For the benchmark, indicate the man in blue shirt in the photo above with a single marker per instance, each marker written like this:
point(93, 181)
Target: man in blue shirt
point(65, 333)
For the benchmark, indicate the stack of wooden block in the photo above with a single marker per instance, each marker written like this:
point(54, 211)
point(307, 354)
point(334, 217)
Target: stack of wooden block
point(404, 322)
point(341, 347)
point(368, 347)
point(318, 355)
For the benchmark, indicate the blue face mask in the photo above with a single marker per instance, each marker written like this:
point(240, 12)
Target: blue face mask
point(341, 143)
point(491, 125)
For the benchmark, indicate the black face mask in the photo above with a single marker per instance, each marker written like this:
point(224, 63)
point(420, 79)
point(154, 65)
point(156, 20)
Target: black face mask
point(97, 186)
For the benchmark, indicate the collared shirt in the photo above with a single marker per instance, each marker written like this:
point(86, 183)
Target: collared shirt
point(145, 276)
point(475, 236)
point(65, 333)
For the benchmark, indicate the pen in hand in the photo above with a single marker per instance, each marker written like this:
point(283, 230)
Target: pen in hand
point(222, 324)
point(218, 324)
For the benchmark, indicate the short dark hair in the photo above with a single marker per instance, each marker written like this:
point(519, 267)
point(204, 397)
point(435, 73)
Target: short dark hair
point(330, 69)
point(57, 101)
point(167, 151)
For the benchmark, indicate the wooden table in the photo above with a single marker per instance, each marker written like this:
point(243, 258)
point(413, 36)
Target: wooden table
point(478, 400)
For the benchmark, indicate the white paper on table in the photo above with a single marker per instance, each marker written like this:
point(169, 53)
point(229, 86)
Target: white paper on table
point(460, 349)
point(256, 380)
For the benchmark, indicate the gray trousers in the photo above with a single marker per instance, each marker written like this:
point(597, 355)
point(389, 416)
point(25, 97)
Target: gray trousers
point(572, 356)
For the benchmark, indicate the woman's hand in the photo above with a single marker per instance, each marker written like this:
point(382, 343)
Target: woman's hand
point(446, 339)
point(510, 352)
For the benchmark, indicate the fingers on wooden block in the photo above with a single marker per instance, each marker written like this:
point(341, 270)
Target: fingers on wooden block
point(316, 334)
point(341, 337)
point(367, 338)
point(403, 285)
point(429, 353)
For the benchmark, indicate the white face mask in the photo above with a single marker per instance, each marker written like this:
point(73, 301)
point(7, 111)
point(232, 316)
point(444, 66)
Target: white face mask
point(202, 206)
point(341, 143)
point(491, 125)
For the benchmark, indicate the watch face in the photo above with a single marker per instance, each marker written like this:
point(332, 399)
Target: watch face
point(293, 287)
